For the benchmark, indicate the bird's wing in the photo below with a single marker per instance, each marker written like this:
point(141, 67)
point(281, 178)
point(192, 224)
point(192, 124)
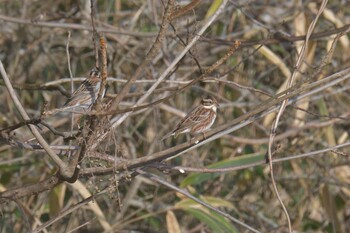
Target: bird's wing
point(195, 116)
point(85, 91)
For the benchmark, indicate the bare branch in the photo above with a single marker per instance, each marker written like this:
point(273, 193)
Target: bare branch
point(284, 104)
point(66, 173)
point(187, 194)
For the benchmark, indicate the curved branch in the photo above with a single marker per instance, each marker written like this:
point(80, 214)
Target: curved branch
point(187, 194)
point(290, 82)
point(177, 59)
point(64, 171)
point(39, 187)
point(73, 26)
point(150, 55)
point(260, 111)
point(162, 166)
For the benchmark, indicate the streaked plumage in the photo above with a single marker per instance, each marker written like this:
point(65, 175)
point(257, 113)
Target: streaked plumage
point(198, 120)
point(87, 92)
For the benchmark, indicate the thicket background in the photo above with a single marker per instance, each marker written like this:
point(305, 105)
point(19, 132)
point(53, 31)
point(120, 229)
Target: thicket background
point(315, 189)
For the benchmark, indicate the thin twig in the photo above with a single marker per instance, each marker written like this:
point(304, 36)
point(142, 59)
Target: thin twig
point(42, 87)
point(103, 64)
point(95, 34)
point(71, 85)
point(150, 55)
point(34, 121)
point(278, 38)
point(38, 187)
point(64, 171)
point(177, 59)
point(68, 62)
point(183, 10)
point(187, 194)
point(283, 107)
point(163, 166)
point(68, 211)
point(82, 225)
point(257, 113)
point(77, 158)
point(212, 135)
point(73, 26)
point(238, 123)
point(189, 51)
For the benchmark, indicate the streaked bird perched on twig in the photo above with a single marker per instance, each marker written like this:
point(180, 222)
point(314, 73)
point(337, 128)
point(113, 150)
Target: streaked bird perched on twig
point(84, 97)
point(198, 120)
point(86, 94)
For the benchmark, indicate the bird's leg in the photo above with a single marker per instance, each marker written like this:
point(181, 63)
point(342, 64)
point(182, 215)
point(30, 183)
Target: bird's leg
point(191, 138)
point(204, 137)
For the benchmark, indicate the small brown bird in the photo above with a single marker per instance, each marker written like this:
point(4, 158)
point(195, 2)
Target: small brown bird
point(198, 120)
point(86, 94)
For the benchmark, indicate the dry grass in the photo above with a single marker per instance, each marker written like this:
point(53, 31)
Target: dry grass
point(315, 189)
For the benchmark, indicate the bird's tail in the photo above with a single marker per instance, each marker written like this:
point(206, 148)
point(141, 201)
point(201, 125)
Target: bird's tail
point(167, 136)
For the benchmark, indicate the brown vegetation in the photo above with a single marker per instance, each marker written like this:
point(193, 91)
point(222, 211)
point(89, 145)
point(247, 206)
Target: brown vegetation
point(275, 160)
